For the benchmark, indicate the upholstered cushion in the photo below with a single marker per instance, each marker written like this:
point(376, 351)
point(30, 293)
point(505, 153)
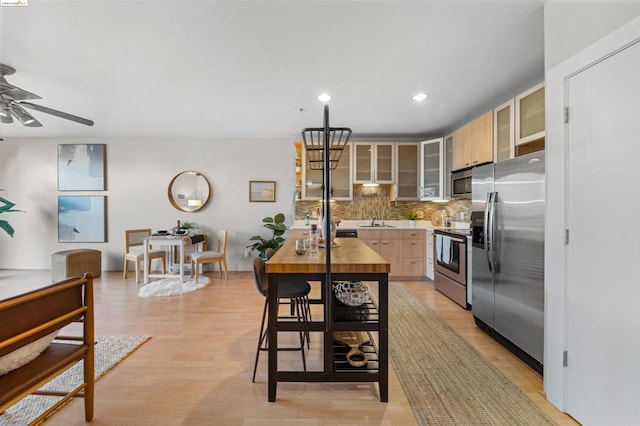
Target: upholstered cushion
point(205, 255)
point(25, 354)
point(140, 254)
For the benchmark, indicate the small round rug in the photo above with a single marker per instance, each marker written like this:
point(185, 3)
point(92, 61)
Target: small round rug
point(172, 287)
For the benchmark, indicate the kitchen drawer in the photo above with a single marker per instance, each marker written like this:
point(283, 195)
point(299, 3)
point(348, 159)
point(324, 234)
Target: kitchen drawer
point(413, 267)
point(390, 234)
point(413, 235)
point(298, 234)
point(413, 248)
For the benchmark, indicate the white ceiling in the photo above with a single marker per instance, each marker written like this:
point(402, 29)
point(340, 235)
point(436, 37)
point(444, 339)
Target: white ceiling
point(254, 69)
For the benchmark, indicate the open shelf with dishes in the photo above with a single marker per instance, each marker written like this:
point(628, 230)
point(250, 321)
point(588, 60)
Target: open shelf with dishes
point(367, 313)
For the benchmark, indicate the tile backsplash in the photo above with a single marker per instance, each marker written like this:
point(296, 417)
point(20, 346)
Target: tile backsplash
point(376, 202)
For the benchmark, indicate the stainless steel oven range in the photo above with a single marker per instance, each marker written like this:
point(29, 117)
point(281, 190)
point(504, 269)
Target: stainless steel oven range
point(450, 267)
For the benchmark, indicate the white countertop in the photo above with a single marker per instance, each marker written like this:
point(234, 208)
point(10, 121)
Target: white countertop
point(393, 224)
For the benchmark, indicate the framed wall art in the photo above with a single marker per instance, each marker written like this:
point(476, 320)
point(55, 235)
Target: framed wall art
point(262, 191)
point(81, 219)
point(81, 167)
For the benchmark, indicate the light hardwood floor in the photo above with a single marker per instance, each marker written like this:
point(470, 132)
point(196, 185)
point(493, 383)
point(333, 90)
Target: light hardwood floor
point(196, 368)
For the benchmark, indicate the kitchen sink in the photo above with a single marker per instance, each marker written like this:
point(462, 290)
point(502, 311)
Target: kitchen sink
point(377, 225)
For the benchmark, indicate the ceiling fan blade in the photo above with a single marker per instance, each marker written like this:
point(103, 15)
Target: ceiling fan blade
point(57, 113)
point(5, 115)
point(14, 92)
point(24, 117)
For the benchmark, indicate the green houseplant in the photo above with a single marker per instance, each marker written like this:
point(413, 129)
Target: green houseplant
point(7, 207)
point(184, 227)
point(277, 227)
point(413, 215)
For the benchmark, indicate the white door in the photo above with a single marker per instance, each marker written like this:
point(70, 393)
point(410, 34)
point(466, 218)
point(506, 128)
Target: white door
point(603, 254)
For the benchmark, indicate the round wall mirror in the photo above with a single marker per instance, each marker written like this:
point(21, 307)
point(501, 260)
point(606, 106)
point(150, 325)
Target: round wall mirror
point(189, 191)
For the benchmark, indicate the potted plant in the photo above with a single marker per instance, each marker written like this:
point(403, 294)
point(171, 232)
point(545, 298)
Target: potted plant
point(277, 227)
point(413, 216)
point(7, 207)
point(184, 228)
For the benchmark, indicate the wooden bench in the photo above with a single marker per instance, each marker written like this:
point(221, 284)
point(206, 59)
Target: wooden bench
point(30, 316)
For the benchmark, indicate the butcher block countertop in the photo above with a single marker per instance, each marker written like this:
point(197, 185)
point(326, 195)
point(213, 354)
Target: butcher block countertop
point(349, 256)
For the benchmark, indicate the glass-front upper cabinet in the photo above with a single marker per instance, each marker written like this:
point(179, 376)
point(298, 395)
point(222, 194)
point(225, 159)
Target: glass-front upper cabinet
point(530, 115)
point(503, 131)
point(407, 171)
point(447, 162)
point(373, 162)
point(341, 188)
point(431, 169)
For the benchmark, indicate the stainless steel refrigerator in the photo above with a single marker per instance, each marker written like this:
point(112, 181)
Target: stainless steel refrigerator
point(508, 253)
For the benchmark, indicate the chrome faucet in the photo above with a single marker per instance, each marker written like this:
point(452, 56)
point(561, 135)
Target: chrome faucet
point(373, 221)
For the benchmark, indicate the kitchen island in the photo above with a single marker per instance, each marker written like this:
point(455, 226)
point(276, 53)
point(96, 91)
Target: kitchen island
point(351, 260)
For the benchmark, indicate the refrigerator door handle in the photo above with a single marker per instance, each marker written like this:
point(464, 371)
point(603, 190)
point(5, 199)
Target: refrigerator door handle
point(487, 229)
point(494, 200)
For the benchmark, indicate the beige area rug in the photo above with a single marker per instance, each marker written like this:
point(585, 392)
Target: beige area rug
point(446, 380)
point(109, 351)
point(172, 287)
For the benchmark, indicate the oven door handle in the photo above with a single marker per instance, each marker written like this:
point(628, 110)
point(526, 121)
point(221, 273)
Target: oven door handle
point(457, 240)
point(488, 227)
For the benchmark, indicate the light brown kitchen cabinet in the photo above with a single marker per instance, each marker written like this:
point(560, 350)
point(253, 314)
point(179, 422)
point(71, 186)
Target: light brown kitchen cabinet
point(447, 164)
point(404, 249)
point(462, 147)
point(431, 168)
point(530, 121)
point(413, 253)
point(407, 171)
point(373, 162)
point(482, 139)
point(530, 115)
point(387, 243)
point(341, 187)
point(504, 131)
point(299, 234)
point(473, 142)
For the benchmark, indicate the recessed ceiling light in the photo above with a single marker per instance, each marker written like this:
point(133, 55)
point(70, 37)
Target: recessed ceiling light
point(420, 97)
point(325, 97)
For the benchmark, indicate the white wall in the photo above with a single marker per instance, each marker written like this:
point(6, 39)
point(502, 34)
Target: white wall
point(572, 25)
point(138, 174)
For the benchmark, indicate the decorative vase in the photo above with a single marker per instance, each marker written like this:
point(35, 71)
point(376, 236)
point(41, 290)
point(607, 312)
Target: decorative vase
point(332, 230)
point(412, 223)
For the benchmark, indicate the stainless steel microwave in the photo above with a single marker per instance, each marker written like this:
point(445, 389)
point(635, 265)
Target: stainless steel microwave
point(461, 184)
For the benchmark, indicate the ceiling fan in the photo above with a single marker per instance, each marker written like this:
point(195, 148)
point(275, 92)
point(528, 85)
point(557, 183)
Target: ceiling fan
point(12, 104)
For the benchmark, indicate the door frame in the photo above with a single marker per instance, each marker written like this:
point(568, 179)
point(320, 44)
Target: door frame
point(555, 380)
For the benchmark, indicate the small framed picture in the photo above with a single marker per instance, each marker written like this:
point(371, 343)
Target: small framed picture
point(262, 191)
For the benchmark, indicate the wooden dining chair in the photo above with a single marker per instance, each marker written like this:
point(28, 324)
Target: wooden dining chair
point(219, 256)
point(134, 251)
